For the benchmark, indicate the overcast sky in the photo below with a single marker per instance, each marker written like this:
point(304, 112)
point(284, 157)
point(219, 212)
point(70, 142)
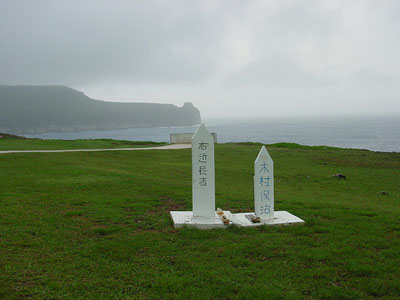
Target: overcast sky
point(230, 58)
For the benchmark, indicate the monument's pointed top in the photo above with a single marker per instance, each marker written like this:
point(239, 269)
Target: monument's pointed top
point(263, 155)
point(201, 132)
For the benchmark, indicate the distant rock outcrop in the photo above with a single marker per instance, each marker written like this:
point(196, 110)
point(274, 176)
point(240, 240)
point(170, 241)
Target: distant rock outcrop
point(37, 109)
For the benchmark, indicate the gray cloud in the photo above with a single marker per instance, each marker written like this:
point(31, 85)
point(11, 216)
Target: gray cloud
point(248, 55)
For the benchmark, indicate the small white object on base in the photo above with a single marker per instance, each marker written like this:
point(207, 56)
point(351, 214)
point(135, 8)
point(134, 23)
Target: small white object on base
point(185, 218)
point(280, 218)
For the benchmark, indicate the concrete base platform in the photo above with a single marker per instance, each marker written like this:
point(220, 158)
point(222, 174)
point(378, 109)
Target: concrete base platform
point(185, 218)
point(280, 218)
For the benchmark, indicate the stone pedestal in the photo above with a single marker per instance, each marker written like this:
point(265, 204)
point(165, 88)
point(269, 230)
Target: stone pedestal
point(280, 218)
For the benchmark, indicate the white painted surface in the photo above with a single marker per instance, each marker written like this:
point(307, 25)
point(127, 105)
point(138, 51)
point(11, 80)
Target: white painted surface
point(185, 218)
point(264, 185)
point(167, 147)
point(280, 218)
point(203, 174)
point(180, 138)
point(185, 138)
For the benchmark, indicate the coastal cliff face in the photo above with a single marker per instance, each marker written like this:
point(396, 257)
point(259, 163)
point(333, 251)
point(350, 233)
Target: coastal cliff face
point(31, 109)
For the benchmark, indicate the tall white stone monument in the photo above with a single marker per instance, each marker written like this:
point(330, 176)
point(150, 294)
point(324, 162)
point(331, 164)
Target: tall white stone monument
point(264, 185)
point(203, 174)
point(204, 215)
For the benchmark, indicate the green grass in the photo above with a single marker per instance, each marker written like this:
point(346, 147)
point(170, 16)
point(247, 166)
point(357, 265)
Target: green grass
point(96, 226)
point(18, 143)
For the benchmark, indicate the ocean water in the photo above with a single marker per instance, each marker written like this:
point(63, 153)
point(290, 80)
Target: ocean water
point(377, 133)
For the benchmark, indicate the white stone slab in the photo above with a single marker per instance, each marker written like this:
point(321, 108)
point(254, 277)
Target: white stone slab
point(280, 218)
point(264, 185)
point(185, 138)
point(203, 174)
point(185, 218)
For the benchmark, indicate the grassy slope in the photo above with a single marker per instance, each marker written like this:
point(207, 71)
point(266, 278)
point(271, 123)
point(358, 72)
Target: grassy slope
point(18, 143)
point(96, 226)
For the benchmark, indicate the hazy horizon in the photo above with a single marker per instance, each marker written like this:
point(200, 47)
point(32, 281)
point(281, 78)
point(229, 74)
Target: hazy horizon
point(230, 59)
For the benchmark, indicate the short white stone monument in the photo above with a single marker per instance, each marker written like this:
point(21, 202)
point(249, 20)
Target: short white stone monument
point(264, 185)
point(264, 197)
point(203, 215)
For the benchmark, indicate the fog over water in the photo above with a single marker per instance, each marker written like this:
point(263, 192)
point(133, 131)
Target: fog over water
point(378, 133)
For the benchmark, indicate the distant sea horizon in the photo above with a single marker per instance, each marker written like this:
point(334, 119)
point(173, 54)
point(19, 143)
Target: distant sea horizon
point(376, 133)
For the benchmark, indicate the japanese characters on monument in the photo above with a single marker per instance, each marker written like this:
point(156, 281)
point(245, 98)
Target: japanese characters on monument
point(203, 174)
point(264, 185)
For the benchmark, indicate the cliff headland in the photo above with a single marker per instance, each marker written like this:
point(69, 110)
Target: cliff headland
point(38, 109)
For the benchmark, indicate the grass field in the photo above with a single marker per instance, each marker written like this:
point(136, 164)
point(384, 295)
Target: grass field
point(18, 143)
point(95, 225)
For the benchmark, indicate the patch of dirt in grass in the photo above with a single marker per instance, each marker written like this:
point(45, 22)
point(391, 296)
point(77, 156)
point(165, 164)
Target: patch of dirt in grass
point(98, 230)
point(23, 284)
point(129, 211)
point(373, 160)
point(74, 213)
point(256, 256)
point(153, 220)
point(166, 205)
